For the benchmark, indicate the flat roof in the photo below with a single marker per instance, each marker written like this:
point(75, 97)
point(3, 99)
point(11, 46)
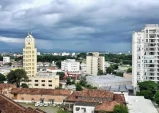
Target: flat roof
point(107, 79)
point(138, 104)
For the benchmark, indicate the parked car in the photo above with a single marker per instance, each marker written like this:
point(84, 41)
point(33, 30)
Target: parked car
point(36, 104)
point(45, 104)
point(41, 104)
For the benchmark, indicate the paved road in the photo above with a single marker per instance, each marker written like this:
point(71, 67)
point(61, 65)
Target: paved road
point(49, 109)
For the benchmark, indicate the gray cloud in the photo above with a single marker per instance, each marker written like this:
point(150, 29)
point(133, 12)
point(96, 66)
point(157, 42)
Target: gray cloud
point(77, 24)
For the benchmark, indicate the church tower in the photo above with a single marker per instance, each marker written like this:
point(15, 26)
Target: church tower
point(30, 56)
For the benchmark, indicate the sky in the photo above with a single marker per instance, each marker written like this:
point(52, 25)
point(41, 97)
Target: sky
point(78, 25)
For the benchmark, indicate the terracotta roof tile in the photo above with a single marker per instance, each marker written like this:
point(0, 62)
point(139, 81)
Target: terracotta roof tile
point(36, 91)
point(95, 96)
point(106, 106)
point(9, 106)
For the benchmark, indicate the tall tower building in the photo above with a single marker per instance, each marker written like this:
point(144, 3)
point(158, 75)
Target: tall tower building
point(145, 55)
point(95, 63)
point(30, 56)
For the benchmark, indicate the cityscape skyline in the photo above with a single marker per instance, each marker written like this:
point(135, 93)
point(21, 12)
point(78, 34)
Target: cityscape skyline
point(86, 25)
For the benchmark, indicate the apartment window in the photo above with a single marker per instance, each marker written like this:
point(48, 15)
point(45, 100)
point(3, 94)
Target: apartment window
point(77, 108)
point(50, 85)
point(50, 80)
point(43, 84)
point(83, 109)
point(36, 84)
point(36, 80)
point(42, 80)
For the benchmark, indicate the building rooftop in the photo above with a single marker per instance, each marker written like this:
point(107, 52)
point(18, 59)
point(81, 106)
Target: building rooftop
point(106, 106)
point(135, 105)
point(6, 85)
point(95, 95)
point(85, 104)
point(107, 79)
point(9, 106)
point(37, 91)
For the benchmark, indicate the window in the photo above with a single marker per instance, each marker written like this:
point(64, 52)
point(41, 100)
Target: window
point(36, 80)
point(36, 84)
point(42, 80)
point(83, 109)
point(50, 85)
point(43, 84)
point(50, 80)
point(77, 108)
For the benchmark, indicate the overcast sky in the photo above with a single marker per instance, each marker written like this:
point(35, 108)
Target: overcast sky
point(95, 25)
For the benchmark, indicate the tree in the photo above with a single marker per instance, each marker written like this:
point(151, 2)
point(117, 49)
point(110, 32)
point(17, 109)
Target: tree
point(146, 93)
point(23, 85)
point(68, 81)
point(61, 75)
point(2, 78)
point(78, 87)
point(83, 81)
point(157, 97)
point(119, 74)
point(16, 76)
point(109, 70)
point(58, 64)
point(148, 85)
point(114, 66)
point(120, 109)
point(147, 89)
point(129, 70)
point(100, 72)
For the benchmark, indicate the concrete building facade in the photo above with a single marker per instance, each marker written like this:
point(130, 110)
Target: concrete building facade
point(30, 56)
point(145, 55)
point(6, 60)
point(70, 65)
point(46, 82)
point(95, 63)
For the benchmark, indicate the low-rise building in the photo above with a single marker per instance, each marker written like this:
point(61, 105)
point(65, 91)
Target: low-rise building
point(135, 105)
point(102, 100)
point(5, 89)
point(9, 106)
point(107, 80)
point(30, 95)
point(53, 70)
point(44, 81)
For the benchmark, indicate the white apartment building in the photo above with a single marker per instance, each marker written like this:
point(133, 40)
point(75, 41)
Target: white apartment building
point(95, 63)
point(6, 60)
point(65, 54)
point(70, 65)
point(145, 54)
point(30, 56)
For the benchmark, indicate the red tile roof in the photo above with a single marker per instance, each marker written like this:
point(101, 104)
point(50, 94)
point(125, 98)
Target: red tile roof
point(106, 106)
point(95, 95)
point(6, 85)
point(9, 106)
point(36, 91)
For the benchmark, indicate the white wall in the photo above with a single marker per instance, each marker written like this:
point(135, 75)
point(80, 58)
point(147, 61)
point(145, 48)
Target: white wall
point(89, 109)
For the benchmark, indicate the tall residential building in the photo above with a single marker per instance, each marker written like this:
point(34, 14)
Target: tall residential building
point(70, 65)
point(145, 54)
point(30, 56)
point(95, 63)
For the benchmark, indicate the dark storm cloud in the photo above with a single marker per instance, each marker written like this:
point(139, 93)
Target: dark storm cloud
point(77, 24)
